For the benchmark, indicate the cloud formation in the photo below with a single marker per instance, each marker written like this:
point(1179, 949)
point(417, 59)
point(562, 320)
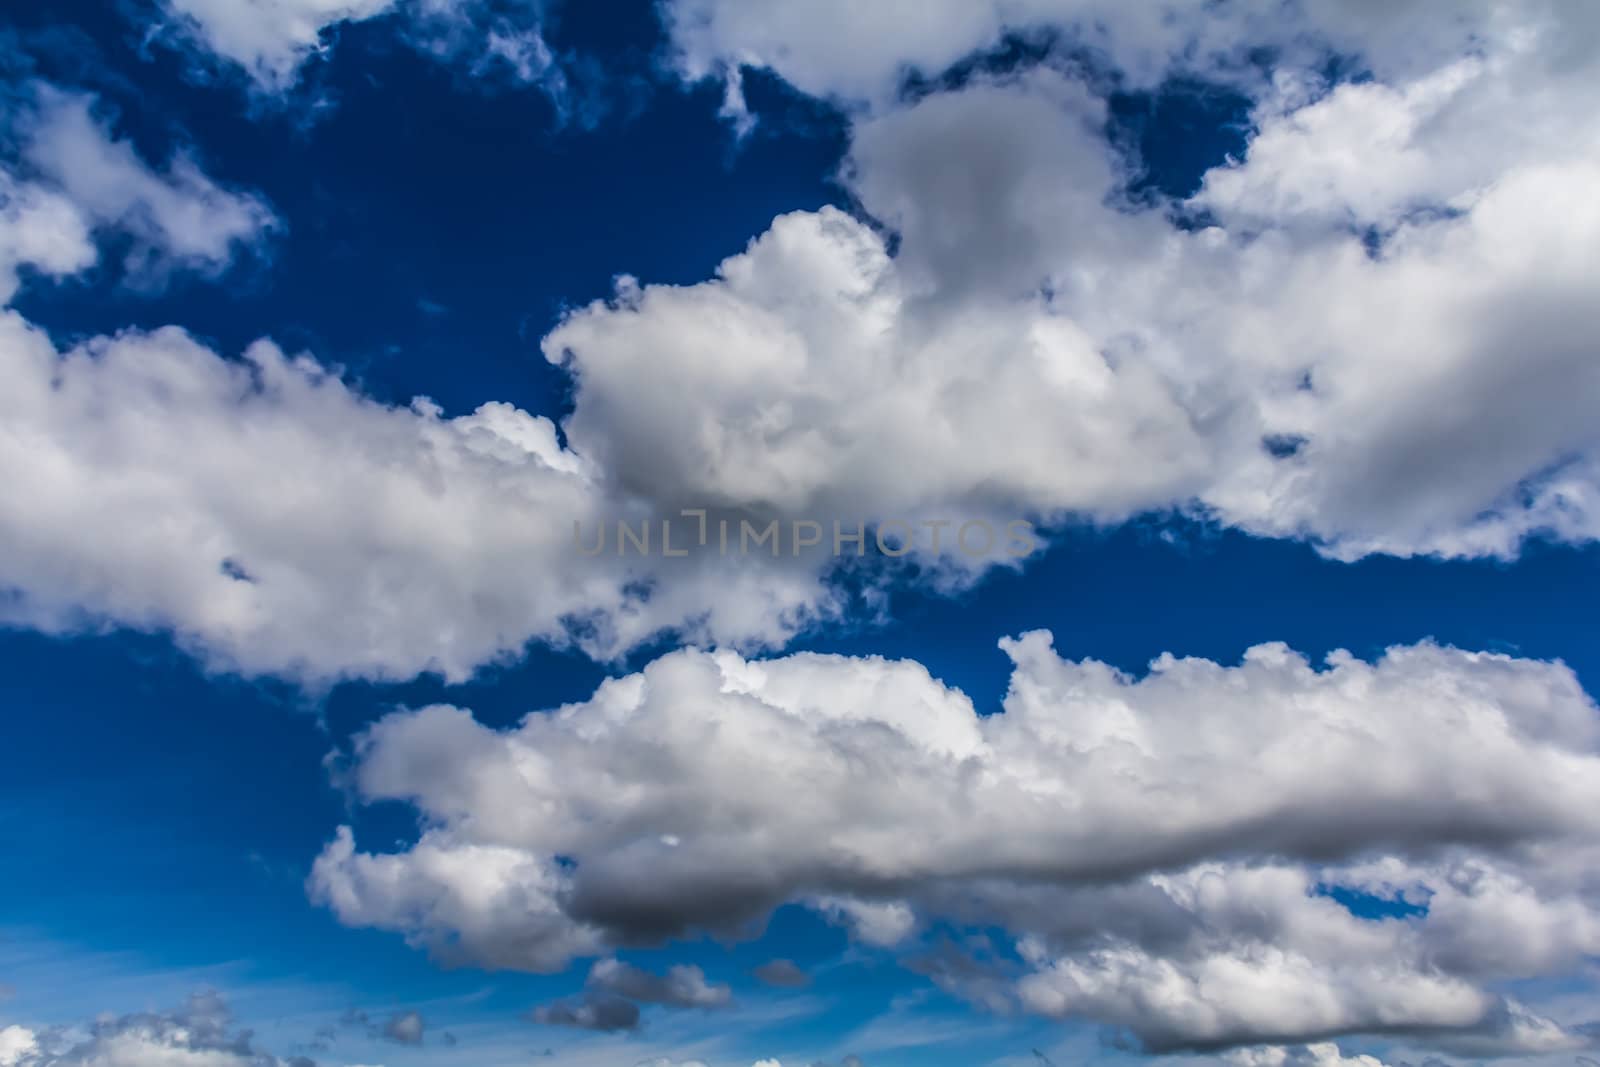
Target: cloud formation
point(1388, 357)
point(199, 1034)
point(1162, 849)
point(66, 178)
point(1385, 358)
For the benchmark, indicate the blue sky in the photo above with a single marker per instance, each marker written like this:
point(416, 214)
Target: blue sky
point(1295, 427)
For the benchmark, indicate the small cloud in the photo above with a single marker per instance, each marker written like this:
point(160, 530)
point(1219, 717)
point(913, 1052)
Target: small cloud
point(431, 308)
point(683, 986)
point(404, 1028)
point(784, 974)
point(602, 1012)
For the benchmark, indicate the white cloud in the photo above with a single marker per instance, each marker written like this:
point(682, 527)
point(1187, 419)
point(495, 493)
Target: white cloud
point(800, 40)
point(1035, 347)
point(72, 178)
point(317, 533)
point(270, 38)
point(1321, 1054)
point(41, 229)
point(1156, 846)
point(16, 1044)
point(200, 1034)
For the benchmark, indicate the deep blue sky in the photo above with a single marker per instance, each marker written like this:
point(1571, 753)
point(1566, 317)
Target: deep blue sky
point(434, 233)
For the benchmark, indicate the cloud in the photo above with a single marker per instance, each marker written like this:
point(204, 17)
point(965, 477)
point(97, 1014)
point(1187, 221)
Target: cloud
point(1308, 349)
point(1322, 1054)
point(320, 534)
point(1159, 848)
point(271, 41)
point(199, 1033)
point(799, 39)
point(615, 990)
point(16, 1045)
point(589, 1011)
point(683, 986)
point(1035, 346)
point(405, 1028)
point(42, 229)
point(67, 178)
point(784, 974)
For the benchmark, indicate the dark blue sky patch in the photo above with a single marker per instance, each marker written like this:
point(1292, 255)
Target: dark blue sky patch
point(1171, 135)
point(1366, 905)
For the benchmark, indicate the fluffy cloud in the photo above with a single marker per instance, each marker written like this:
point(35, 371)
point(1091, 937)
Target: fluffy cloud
point(318, 533)
point(200, 1034)
point(41, 229)
point(1321, 1054)
point(16, 1044)
point(68, 177)
point(1163, 849)
point(1332, 360)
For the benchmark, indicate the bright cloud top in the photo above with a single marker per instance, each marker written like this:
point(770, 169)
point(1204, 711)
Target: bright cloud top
point(1381, 344)
point(1159, 848)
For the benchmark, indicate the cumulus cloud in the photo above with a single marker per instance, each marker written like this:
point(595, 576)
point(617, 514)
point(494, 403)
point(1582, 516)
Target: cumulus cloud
point(17, 1043)
point(1390, 357)
point(67, 177)
point(1162, 849)
point(320, 534)
point(1329, 361)
point(199, 1034)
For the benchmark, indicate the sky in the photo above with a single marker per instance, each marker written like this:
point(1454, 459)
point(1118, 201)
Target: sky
point(1177, 425)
